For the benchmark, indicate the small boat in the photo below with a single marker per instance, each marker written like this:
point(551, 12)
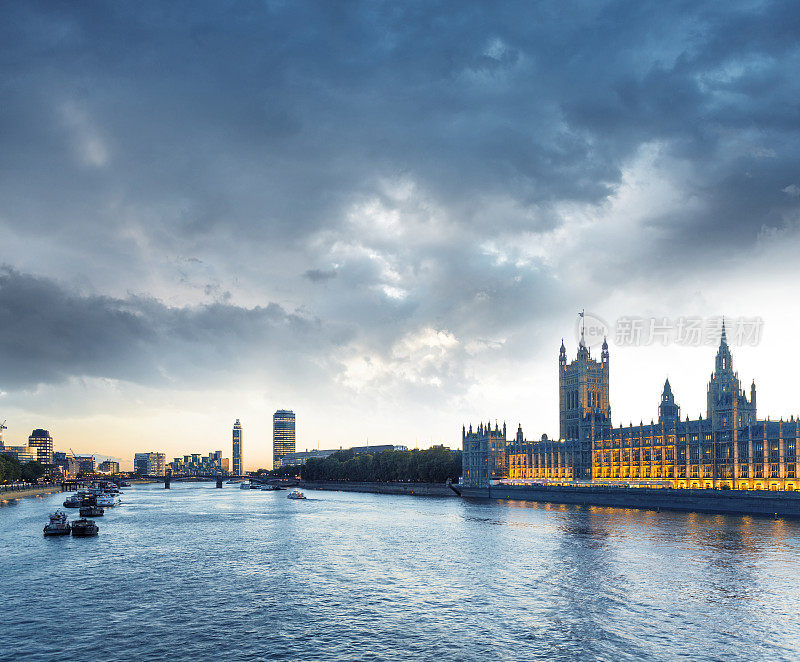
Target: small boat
point(58, 525)
point(107, 500)
point(244, 486)
point(269, 488)
point(73, 501)
point(295, 494)
point(91, 511)
point(83, 528)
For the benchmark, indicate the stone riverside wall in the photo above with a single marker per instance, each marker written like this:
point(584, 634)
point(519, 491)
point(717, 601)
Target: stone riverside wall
point(785, 504)
point(414, 489)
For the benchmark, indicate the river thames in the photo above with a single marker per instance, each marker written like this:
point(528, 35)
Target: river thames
point(200, 573)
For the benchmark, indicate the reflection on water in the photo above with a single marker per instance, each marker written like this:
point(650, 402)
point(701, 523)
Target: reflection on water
point(197, 573)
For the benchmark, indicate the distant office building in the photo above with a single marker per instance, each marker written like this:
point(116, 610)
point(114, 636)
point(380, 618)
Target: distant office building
point(197, 465)
point(43, 443)
point(69, 465)
point(150, 464)
point(298, 459)
point(238, 450)
point(109, 466)
point(86, 463)
point(24, 454)
point(283, 429)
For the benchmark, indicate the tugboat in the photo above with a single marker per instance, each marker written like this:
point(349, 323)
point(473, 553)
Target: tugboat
point(83, 528)
point(295, 494)
point(73, 501)
point(58, 525)
point(91, 511)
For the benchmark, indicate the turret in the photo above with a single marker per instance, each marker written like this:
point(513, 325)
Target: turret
point(668, 412)
point(724, 360)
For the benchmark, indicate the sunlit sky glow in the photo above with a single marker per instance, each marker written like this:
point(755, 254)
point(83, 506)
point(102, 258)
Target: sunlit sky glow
point(384, 216)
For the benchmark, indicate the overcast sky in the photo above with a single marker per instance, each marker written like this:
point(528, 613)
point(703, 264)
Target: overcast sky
point(384, 216)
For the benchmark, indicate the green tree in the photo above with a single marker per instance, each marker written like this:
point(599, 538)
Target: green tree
point(32, 471)
point(10, 468)
point(432, 465)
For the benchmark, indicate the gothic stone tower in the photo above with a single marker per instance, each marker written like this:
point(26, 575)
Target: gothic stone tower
point(669, 413)
point(583, 389)
point(728, 412)
point(728, 407)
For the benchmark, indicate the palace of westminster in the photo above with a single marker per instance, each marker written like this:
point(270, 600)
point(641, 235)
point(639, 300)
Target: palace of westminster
point(728, 449)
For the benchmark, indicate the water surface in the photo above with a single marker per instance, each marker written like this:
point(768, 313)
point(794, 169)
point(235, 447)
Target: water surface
point(196, 573)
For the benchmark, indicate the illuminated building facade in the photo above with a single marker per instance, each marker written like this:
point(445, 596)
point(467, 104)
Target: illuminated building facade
point(43, 443)
point(149, 464)
point(24, 454)
point(109, 466)
point(728, 449)
point(238, 450)
point(283, 436)
point(199, 465)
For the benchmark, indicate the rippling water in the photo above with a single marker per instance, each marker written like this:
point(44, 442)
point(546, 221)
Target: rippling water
point(199, 573)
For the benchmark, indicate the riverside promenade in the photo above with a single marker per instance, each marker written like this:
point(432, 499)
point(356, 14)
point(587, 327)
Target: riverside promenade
point(10, 492)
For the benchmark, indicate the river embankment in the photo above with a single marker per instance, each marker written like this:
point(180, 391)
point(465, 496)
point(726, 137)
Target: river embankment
point(27, 491)
point(725, 502)
point(733, 502)
point(412, 489)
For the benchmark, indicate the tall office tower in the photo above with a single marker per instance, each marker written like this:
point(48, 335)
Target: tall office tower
point(238, 457)
point(43, 443)
point(282, 436)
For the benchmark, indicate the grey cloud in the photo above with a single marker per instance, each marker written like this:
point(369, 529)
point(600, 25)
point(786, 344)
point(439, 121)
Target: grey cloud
point(245, 133)
point(51, 334)
point(319, 275)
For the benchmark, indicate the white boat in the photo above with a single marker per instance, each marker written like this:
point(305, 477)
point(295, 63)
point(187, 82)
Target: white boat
point(295, 494)
point(104, 500)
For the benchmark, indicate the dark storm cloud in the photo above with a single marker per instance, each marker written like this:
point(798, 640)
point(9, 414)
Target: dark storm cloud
point(51, 334)
point(271, 116)
point(210, 128)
